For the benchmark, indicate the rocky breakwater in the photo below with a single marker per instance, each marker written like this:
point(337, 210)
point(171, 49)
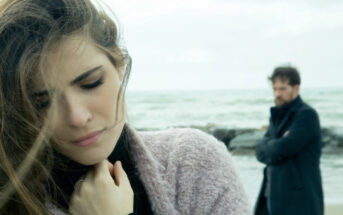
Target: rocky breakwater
point(244, 140)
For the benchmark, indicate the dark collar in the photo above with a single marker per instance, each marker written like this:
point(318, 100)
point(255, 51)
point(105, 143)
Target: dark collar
point(67, 172)
point(293, 105)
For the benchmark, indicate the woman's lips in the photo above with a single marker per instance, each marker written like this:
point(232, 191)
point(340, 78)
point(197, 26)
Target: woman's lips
point(88, 139)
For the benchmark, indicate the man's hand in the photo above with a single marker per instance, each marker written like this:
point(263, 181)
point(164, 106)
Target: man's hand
point(285, 134)
point(99, 193)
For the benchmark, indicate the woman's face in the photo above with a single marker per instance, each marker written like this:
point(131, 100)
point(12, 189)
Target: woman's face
point(83, 122)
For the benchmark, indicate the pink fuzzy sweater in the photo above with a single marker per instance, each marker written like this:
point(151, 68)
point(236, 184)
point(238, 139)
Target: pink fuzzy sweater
point(186, 171)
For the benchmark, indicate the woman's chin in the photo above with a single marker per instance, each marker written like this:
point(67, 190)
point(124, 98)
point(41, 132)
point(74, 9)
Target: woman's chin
point(92, 159)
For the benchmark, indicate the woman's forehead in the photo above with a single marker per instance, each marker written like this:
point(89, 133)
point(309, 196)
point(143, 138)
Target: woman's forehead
point(71, 45)
point(68, 58)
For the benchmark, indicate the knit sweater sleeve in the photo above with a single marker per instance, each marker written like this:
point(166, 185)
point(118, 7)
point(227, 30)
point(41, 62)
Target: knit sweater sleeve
point(205, 178)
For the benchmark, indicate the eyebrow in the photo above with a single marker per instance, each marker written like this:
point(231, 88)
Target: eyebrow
point(76, 80)
point(85, 75)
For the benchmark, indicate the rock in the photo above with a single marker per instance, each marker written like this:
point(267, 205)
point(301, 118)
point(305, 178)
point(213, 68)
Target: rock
point(224, 135)
point(332, 137)
point(207, 128)
point(332, 150)
point(338, 136)
point(244, 140)
point(247, 140)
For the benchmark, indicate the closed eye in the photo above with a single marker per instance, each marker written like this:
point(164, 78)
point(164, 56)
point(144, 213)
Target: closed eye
point(95, 84)
point(41, 100)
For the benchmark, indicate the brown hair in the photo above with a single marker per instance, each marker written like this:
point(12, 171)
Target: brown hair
point(286, 73)
point(27, 30)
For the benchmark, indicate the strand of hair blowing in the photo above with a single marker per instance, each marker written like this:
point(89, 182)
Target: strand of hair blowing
point(31, 203)
point(25, 26)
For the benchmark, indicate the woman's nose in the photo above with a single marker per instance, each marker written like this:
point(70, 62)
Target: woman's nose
point(78, 114)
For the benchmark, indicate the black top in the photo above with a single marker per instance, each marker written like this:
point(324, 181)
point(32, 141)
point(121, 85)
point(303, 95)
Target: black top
point(67, 172)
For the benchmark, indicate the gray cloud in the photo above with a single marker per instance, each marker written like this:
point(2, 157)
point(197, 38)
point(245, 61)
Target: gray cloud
point(207, 44)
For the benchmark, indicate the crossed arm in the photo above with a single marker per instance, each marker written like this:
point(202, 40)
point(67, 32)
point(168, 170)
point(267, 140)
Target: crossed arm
point(274, 150)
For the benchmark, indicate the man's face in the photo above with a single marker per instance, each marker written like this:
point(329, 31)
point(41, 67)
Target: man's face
point(283, 92)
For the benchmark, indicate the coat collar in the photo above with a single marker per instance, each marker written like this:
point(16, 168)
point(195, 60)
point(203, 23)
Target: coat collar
point(290, 107)
point(149, 170)
point(288, 110)
point(295, 104)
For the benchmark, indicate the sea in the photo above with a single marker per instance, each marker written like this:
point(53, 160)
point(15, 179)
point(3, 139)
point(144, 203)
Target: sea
point(223, 108)
point(248, 108)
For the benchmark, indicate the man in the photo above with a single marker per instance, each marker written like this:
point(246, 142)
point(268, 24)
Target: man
point(291, 150)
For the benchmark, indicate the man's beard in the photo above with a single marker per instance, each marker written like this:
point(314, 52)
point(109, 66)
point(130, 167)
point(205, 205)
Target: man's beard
point(279, 102)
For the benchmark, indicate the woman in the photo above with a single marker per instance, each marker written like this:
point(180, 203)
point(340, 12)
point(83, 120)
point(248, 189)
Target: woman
point(65, 146)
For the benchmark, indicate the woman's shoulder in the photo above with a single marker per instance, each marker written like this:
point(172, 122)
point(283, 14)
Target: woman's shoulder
point(184, 143)
point(181, 139)
point(188, 148)
point(195, 162)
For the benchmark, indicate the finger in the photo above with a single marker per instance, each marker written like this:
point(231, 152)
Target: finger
point(77, 186)
point(74, 205)
point(116, 172)
point(119, 174)
point(82, 180)
point(101, 168)
point(110, 168)
point(89, 176)
point(286, 133)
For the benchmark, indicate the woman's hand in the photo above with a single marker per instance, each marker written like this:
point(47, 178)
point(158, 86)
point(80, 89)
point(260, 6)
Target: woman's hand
point(100, 194)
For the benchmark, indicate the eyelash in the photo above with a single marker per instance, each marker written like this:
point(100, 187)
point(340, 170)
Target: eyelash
point(95, 84)
point(46, 104)
point(43, 105)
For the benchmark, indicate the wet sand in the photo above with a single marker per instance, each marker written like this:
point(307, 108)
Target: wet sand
point(334, 209)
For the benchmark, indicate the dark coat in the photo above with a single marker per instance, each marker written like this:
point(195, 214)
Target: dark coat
point(294, 178)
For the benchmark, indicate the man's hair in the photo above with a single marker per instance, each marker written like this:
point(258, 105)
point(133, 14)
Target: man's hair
point(286, 73)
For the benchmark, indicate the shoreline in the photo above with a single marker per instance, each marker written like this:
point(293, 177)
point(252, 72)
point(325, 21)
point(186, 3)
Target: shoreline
point(333, 209)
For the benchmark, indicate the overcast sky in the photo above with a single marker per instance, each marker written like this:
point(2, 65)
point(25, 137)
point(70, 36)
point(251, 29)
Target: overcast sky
point(225, 44)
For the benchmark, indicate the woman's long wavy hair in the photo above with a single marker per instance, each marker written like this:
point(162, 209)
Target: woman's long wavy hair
point(28, 29)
